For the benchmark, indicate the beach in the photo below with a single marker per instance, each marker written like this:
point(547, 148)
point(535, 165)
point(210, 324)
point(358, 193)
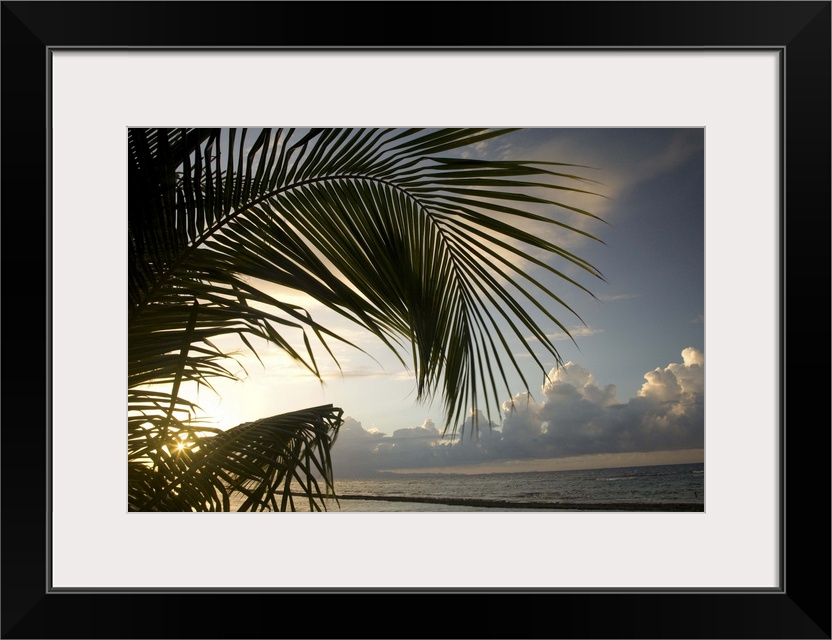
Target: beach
point(661, 488)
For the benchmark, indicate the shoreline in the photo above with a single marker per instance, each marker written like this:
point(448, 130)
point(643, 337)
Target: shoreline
point(543, 506)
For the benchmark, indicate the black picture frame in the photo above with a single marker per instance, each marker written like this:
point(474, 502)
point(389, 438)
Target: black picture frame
point(799, 31)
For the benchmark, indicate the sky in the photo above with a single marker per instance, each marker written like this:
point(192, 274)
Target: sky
point(632, 388)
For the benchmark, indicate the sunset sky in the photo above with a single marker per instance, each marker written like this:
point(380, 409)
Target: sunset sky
point(633, 385)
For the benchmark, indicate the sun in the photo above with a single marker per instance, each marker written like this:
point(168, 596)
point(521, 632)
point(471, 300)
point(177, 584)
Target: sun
point(183, 443)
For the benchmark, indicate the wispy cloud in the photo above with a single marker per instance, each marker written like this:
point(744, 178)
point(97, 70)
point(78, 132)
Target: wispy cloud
point(575, 332)
point(618, 296)
point(334, 374)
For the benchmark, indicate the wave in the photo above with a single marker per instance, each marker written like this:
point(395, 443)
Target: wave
point(545, 506)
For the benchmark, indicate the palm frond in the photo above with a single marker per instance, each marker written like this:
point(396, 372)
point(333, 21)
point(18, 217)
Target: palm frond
point(425, 251)
point(375, 224)
point(270, 462)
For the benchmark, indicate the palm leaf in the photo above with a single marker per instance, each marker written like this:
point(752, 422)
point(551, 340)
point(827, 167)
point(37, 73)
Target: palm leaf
point(383, 226)
point(259, 460)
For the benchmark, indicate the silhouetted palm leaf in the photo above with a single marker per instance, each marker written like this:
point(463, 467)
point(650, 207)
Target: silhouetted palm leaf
point(198, 469)
point(380, 225)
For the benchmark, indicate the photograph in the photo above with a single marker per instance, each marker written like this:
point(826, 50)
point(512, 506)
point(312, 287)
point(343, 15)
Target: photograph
point(422, 298)
point(406, 319)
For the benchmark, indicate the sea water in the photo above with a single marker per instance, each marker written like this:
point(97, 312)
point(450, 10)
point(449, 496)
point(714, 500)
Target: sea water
point(679, 487)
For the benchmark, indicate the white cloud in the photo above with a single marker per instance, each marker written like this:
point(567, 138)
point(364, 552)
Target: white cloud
point(427, 430)
point(575, 416)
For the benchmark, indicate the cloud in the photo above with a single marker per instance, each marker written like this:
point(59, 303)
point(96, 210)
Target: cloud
point(574, 416)
point(427, 431)
point(620, 296)
point(575, 332)
point(621, 161)
point(354, 450)
point(577, 416)
point(678, 149)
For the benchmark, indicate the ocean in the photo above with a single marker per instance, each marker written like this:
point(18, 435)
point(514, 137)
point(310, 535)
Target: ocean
point(678, 487)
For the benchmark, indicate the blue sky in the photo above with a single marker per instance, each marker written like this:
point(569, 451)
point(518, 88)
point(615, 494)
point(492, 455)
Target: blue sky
point(648, 310)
